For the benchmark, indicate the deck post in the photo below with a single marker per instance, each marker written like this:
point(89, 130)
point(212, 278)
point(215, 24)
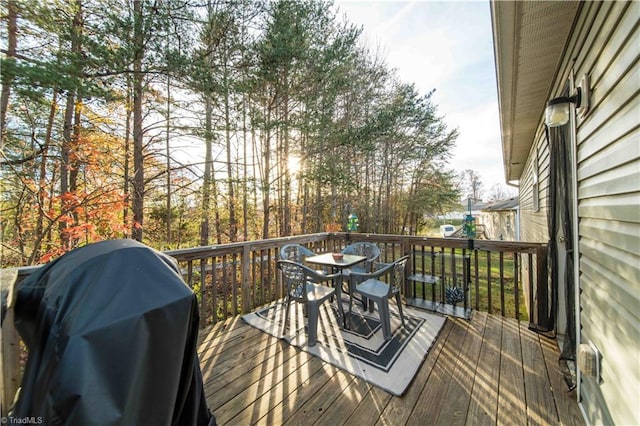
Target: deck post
point(410, 267)
point(245, 278)
point(544, 317)
point(10, 342)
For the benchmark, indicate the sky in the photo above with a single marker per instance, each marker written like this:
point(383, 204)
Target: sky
point(446, 46)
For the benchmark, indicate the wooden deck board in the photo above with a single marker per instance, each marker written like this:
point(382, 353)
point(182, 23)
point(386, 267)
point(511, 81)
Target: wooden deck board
point(223, 361)
point(370, 407)
point(323, 399)
point(293, 393)
point(454, 374)
point(483, 406)
point(343, 407)
point(399, 409)
point(433, 398)
point(276, 383)
point(568, 409)
point(489, 370)
point(512, 409)
point(536, 380)
point(462, 375)
point(226, 386)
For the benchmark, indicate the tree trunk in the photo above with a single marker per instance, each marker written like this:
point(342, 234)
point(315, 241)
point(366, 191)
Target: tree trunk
point(65, 152)
point(279, 178)
point(74, 163)
point(245, 177)
point(266, 186)
point(66, 145)
point(286, 198)
point(42, 184)
point(127, 163)
point(138, 160)
point(168, 154)
point(318, 204)
point(206, 184)
point(7, 80)
point(231, 203)
point(68, 172)
point(255, 169)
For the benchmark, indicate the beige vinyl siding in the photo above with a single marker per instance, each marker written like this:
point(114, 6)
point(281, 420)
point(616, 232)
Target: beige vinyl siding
point(533, 224)
point(604, 45)
point(499, 224)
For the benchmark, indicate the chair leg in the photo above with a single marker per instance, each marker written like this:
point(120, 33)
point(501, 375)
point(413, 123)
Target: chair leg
point(338, 288)
point(399, 302)
point(383, 308)
point(363, 299)
point(313, 323)
point(350, 308)
point(286, 316)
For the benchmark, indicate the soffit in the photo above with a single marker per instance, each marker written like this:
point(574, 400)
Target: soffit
point(529, 39)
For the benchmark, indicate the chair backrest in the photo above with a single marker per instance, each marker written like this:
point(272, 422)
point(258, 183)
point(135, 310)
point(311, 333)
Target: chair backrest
point(295, 252)
point(295, 279)
point(296, 276)
point(363, 248)
point(398, 275)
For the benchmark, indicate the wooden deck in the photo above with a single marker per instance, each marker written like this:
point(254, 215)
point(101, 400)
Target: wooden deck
point(489, 370)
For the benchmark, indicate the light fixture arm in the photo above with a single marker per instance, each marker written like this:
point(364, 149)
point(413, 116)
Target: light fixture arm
point(575, 99)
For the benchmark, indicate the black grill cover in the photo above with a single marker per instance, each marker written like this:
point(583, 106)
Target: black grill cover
point(111, 332)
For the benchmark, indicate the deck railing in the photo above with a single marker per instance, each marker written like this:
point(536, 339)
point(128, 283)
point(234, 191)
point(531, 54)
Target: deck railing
point(505, 278)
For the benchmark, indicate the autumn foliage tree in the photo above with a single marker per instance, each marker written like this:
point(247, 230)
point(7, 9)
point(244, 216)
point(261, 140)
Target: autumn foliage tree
point(183, 122)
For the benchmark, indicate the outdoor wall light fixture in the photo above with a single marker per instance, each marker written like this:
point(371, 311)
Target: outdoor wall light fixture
point(557, 112)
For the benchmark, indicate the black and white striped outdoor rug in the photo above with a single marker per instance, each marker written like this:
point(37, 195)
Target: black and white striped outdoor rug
point(361, 350)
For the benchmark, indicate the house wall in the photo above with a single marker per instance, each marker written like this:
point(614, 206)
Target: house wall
point(533, 219)
point(604, 45)
point(499, 224)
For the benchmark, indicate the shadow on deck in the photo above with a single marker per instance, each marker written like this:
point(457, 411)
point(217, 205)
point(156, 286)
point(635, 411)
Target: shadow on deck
point(490, 370)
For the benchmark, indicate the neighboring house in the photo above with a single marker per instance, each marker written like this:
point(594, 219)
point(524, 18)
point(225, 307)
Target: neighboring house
point(579, 183)
point(476, 207)
point(500, 220)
